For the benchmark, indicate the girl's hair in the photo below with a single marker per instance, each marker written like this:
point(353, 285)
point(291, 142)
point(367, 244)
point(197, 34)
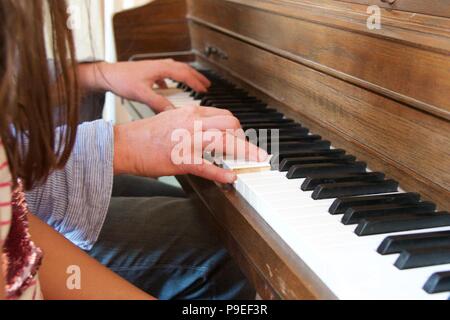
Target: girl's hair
point(33, 102)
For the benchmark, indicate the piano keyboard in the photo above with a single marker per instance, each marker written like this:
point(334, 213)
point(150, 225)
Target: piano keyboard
point(357, 231)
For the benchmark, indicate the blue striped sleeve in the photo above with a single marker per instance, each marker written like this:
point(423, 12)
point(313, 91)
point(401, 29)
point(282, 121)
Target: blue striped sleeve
point(75, 200)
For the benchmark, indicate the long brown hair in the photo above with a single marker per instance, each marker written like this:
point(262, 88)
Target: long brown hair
point(32, 102)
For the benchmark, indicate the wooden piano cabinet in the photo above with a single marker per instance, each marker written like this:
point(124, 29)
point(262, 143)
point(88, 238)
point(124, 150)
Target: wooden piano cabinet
point(275, 270)
point(156, 30)
point(432, 7)
point(375, 95)
point(407, 60)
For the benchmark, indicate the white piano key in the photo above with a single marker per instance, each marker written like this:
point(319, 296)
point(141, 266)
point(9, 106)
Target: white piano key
point(242, 164)
point(349, 265)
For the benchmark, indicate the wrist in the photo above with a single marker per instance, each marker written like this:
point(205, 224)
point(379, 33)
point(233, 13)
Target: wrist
point(121, 151)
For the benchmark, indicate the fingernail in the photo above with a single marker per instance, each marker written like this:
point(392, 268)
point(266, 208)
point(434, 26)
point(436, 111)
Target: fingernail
point(230, 177)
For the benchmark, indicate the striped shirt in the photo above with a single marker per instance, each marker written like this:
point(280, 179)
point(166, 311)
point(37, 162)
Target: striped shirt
point(75, 200)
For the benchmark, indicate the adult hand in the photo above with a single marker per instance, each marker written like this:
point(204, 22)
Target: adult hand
point(149, 147)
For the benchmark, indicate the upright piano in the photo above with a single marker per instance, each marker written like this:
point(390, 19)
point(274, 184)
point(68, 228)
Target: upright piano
point(355, 204)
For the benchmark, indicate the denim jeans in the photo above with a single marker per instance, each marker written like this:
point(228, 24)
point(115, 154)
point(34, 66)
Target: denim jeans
point(158, 240)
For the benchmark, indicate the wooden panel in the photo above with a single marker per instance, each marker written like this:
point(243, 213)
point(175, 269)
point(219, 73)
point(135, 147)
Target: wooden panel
point(413, 68)
point(432, 7)
point(160, 26)
point(409, 145)
point(275, 270)
point(396, 25)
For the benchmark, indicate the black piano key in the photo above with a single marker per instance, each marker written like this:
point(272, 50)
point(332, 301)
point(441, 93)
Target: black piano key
point(285, 146)
point(438, 282)
point(218, 85)
point(221, 84)
point(288, 137)
point(249, 122)
point(216, 80)
point(280, 156)
point(260, 127)
point(263, 115)
point(423, 257)
point(198, 95)
point(228, 95)
point(396, 244)
point(346, 189)
point(294, 132)
point(238, 106)
point(264, 140)
point(254, 113)
point(381, 225)
point(223, 87)
point(307, 138)
point(225, 102)
point(217, 95)
point(355, 214)
point(222, 91)
point(270, 126)
point(312, 183)
point(304, 171)
point(209, 100)
point(341, 205)
point(211, 93)
point(286, 164)
point(260, 118)
point(232, 102)
point(248, 109)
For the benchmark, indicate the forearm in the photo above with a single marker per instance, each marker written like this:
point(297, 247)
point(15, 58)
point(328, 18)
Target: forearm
point(97, 282)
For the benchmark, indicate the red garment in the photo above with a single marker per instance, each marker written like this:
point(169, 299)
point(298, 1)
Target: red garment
point(23, 258)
